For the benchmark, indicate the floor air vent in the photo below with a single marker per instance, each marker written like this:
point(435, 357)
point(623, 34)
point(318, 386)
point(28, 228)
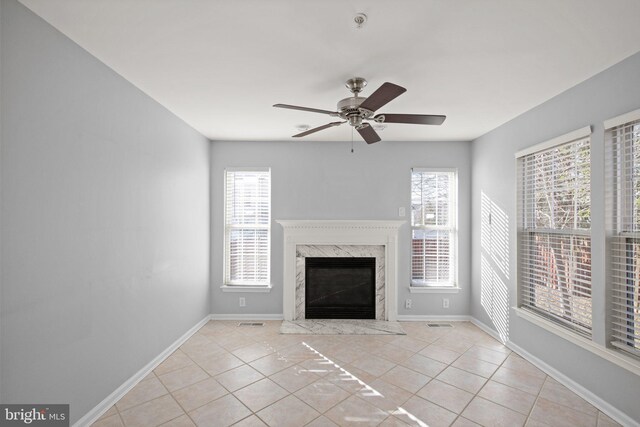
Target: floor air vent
point(251, 324)
point(440, 325)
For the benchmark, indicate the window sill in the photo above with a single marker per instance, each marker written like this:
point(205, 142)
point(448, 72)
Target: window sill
point(608, 354)
point(434, 289)
point(246, 288)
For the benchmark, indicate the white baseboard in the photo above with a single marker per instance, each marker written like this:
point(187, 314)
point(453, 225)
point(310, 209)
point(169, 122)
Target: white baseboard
point(247, 317)
point(431, 318)
point(494, 334)
point(581, 391)
point(102, 407)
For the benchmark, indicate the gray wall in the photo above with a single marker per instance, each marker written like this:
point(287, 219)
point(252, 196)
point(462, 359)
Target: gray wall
point(324, 180)
point(104, 221)
point(613, 92)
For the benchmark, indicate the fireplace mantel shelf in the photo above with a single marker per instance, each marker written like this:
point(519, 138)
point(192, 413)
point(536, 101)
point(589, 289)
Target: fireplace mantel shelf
point(357, 224)
point(340, 232)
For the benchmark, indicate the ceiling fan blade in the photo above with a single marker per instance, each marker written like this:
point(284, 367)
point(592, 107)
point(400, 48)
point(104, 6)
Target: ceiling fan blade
point(311, 110)
point(368, 134)
point(319, 128)
point(384, 94)
point(417, 119)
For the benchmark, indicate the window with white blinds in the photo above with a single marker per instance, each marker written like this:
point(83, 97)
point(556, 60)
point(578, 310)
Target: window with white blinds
point(247, 223)
point(622, 140)
point(554, 230)
point(433, 227)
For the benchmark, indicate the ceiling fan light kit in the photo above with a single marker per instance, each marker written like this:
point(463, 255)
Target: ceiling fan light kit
point(357, 110)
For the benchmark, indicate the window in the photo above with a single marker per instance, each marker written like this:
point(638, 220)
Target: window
point(247, 226)
point(623, 170)
point(554, 230)
point(433, 227)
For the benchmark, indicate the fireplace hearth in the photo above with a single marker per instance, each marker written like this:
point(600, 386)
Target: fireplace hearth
point(340, 288)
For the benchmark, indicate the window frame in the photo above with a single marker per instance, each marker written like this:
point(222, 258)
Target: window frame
point(439, 287)
point(623, 230)
point(525, 231)
point(239, 286)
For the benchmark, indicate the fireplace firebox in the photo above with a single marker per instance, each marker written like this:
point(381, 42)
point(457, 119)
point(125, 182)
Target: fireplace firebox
point(340, 288)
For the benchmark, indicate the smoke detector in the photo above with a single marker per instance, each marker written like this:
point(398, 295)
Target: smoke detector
point(360, 19)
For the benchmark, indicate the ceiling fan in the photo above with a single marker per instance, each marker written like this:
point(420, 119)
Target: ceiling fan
point(355, 110)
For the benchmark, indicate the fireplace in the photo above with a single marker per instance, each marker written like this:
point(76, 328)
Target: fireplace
point(304, 239)
point(340, 288)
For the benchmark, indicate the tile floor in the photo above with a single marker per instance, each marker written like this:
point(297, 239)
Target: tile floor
point(253, 376)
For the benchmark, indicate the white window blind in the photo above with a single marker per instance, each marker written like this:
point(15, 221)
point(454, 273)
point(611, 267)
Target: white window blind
point(433, 227)
point(247, 226)
point(554, 233)
point(623, 203)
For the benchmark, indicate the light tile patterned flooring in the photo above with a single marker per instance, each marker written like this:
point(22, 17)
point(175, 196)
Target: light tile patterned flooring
point(253, 376)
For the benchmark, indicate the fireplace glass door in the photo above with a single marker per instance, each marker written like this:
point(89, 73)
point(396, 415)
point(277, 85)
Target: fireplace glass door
point(340, 288)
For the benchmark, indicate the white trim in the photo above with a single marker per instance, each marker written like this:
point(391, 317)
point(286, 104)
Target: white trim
point(102, 407)
point(454, 170)
point(297, 224)
point(562, 139)
point(246, 288)
point(247, 169)
point(631, 116)
point(604, 406)
point(611, 411)
point(557, 231)
point(452, 228)
point(610, 355)
point(432, 318)
point(247, 317)
point(434, 289)
point(494, 334)
point(229, 227)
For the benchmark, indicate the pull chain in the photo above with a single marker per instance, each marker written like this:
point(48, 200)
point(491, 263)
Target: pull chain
point(352, 139)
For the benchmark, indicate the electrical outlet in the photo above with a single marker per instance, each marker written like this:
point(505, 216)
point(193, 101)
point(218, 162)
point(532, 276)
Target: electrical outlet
point(401, 211)
point(407, 304)
point(445, 302)
point(242, 302)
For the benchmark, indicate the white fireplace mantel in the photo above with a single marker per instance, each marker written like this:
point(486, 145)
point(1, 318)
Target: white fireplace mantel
point(340, 232)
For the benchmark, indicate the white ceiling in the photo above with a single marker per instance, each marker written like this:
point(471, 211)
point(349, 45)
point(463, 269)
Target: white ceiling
point(221, 65)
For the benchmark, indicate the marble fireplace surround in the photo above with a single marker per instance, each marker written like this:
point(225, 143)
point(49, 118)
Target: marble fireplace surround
point(347, 251)
point(344, 238)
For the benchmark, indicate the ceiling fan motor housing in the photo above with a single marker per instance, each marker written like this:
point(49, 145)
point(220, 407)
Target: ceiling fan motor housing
point(351, 107)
